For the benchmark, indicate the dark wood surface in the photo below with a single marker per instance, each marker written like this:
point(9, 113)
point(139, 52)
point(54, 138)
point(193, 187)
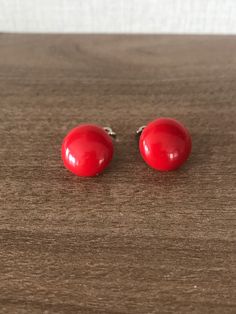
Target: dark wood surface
point(131, 240)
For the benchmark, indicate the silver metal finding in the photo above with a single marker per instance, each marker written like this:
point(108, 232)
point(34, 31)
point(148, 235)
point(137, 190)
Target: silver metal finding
point(140, 130)
point(109, 131)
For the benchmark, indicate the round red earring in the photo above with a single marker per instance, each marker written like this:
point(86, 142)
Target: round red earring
point(165, 144)
point(87, 149)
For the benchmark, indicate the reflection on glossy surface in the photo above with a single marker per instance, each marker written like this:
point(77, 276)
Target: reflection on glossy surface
point(165, 144)
point(87, 150)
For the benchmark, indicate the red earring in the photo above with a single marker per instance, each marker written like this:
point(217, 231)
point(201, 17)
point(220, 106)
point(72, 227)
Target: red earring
point(165, 144)
point(87, 149)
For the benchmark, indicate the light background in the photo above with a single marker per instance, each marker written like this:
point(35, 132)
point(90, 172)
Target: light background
point(119, 16)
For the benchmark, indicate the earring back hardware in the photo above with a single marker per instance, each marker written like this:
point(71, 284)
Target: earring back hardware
point(109, 131)
point(140, 130)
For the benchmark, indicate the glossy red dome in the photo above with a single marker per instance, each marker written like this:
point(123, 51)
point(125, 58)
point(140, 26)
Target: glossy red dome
point(87, 150)
point(165, 144)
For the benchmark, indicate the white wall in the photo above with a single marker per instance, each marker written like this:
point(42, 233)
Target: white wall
point(119, 16)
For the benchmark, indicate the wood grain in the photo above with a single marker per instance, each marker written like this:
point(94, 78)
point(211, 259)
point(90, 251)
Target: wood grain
point(131, 240)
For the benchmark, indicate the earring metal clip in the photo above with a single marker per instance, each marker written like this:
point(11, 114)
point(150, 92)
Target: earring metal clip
point(110, 131)
point(140, 130)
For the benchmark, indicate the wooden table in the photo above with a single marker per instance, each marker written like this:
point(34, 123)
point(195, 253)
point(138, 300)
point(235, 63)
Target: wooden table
point(132, 240)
